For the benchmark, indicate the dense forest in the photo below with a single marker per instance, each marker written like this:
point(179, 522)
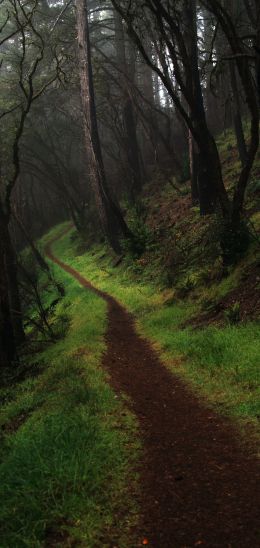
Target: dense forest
point(129, 272)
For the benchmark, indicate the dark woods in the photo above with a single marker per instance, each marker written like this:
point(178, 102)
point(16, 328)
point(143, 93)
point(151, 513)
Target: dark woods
point(98, 97)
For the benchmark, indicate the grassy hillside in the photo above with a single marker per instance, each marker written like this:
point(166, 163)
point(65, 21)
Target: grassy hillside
point(182, 250)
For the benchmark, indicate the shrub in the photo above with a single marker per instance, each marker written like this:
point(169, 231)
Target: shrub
point(232, 314)
point(187, 284)
point(234, 242)
point(209, 305)
point(142, 236)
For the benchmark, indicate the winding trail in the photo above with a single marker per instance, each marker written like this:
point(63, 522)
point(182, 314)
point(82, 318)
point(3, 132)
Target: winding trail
point(199, 487)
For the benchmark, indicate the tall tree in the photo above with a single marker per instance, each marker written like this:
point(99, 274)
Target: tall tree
point(241, 54)
point(127, 71)
point(111, 218)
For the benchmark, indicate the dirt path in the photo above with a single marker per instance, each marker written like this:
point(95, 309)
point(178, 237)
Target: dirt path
point(199, 487)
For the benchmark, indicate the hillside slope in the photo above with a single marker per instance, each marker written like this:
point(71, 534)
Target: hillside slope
point(203, 317)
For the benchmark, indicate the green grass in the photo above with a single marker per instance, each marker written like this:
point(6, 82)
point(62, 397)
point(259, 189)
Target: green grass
point(220, 363)
point(69, 444)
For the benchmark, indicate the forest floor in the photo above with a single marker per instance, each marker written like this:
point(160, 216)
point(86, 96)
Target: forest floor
point(198, 485)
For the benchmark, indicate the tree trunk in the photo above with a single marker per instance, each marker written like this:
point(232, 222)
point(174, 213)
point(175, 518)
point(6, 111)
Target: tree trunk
point(207, 185)
point(14, 296)
point(238, 126)
point(132, 149)
point(7, 337)
point(257, 51)
point(236, 106)
point(148, 90)
point(213, 108)
point(193, 157)
point(133, 152)
point(111, 218)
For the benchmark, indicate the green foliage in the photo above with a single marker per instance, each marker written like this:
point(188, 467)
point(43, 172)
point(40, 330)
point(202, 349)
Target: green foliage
point(234, 241)
point(232, 314)
point(142, 236)
point(208, 304)
point(255, 185)
point(40, 293)
point(187, 284)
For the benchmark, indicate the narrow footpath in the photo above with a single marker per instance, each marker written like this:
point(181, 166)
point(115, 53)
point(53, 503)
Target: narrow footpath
point(199, 487)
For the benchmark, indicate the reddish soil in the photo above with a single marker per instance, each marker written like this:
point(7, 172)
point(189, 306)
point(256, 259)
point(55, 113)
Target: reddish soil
point(199, 487)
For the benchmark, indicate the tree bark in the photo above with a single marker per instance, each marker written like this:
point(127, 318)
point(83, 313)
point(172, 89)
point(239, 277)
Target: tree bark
point(148, 90)
point(133, 152)
point(237, 120)
point(236, 106)
point(193, 157)
point(245, 73)
point(111, 218)
point(207, 185)
point(14, 296)
point(257, 50)
point(7, 336)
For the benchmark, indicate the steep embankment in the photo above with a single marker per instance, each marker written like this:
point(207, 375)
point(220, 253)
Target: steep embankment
point(198, 486)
